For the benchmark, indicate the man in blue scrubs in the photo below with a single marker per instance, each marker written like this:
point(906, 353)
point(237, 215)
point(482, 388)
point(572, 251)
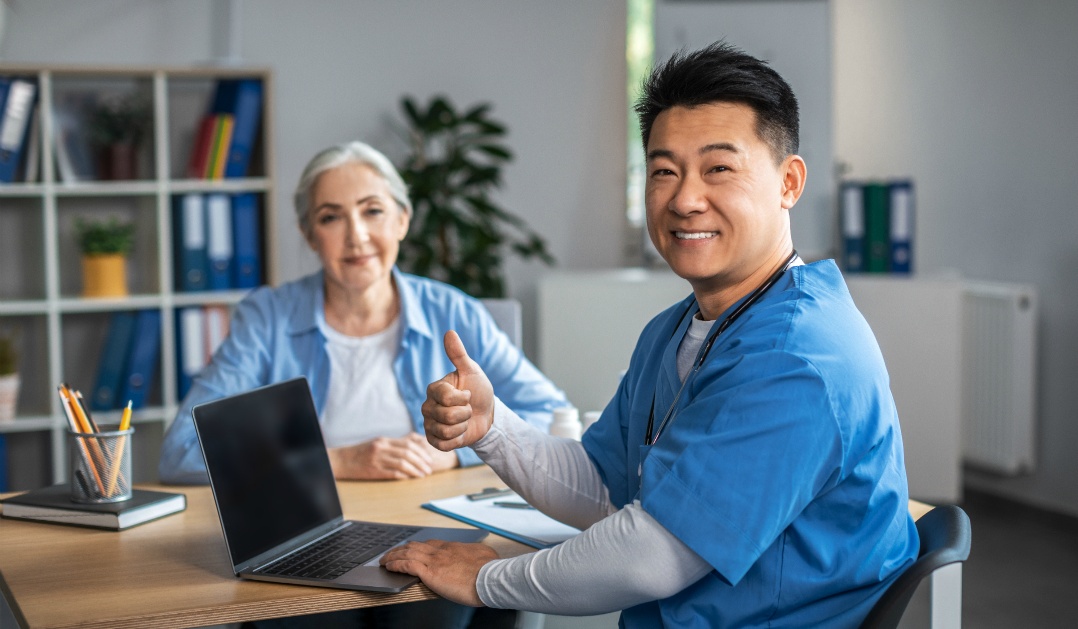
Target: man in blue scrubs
point(748, 472)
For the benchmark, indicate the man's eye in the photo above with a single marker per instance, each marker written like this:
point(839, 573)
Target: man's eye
point(662, 172)
point(719, 169)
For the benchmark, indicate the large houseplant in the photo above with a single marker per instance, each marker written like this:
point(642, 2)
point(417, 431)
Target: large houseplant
point(459, 232)
point(105, 245)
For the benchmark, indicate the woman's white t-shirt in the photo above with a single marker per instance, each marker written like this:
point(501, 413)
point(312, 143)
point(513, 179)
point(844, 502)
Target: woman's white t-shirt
point(364, 400)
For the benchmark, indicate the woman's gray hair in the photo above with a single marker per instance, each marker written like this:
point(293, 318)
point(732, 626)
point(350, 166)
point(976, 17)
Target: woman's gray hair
point(349, 152)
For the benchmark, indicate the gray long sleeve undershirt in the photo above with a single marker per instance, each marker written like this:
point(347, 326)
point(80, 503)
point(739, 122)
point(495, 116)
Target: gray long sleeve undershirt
point(623, 558)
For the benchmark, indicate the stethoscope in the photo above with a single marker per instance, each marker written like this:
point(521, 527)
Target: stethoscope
point(649, 438)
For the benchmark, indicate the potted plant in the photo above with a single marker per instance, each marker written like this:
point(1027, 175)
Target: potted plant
point(460, 233)
point(116, 126)
point(9, 378)
point(105, 245)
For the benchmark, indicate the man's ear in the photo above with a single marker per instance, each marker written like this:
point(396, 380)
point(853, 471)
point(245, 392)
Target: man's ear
point(794, 174)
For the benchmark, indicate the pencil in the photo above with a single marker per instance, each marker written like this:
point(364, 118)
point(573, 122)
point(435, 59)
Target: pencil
point(118, 456)
point(72, 418)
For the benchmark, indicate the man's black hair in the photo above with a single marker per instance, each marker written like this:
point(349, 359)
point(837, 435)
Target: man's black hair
point(722, 73)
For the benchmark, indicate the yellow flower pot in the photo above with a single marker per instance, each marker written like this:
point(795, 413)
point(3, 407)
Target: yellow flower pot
point(104, 275)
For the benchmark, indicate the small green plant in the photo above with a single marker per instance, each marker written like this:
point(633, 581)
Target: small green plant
point(124, 119)
point(9, 358)
point(104, 237)
point(459, 233)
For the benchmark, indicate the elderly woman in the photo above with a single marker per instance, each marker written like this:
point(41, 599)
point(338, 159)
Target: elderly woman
point(367, 337)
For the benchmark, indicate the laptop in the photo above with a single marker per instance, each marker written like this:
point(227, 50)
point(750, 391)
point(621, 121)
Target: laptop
point(277, 498)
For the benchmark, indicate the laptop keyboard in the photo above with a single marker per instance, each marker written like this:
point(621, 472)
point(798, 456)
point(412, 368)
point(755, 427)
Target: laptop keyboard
point(332, 556)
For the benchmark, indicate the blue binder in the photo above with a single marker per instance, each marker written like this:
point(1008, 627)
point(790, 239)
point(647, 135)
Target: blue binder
point(15, 119)
point(901, 226)
point(113, 361)
point(219, 241)
point(189, 242)
point(190, 347)
point(243, 99)
point(142, 359)
point(853, 226)
point(3, 463)
point(246, 241)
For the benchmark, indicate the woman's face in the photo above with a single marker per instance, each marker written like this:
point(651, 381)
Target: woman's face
point(355, 226)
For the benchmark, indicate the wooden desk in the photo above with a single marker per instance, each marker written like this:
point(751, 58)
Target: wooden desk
point(175, 572)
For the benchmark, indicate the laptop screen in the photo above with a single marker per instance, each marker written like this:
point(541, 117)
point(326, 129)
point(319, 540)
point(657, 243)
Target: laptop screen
point(268, 466)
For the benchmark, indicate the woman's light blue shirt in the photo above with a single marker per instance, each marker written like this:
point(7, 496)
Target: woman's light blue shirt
point(277, 334)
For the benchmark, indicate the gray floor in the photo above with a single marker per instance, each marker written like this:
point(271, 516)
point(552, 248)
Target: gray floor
point(1022, 569)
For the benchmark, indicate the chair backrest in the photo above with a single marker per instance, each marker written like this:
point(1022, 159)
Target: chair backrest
point(508, 315)
point(945, 539)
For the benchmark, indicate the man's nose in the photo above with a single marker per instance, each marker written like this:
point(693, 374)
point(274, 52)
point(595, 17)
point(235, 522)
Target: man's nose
point(690, 197)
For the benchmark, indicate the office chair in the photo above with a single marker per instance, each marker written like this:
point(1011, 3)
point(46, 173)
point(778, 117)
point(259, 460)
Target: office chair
point(945, 539)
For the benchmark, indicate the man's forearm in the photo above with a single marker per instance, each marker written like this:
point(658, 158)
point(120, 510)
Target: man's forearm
point(553, 474)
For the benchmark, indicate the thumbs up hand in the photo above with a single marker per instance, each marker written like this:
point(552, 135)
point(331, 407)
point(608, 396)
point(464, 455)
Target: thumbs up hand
point(460, 407)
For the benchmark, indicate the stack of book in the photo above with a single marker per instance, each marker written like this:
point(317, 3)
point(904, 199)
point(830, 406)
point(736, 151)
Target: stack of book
point(877, 226)
point(54, 504)
point(227, 132)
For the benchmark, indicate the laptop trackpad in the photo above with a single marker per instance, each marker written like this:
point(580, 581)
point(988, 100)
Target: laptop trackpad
point(377, 578)
point(466, 536)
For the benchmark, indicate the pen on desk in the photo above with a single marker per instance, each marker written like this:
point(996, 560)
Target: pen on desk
point(490, 492)
point(513, 505)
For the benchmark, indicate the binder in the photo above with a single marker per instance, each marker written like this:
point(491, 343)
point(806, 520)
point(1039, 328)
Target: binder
point(3, 463)
point(242, 98)
point(113, 362)
point(15, 126)
point(219, 241)
point(200, 152)
point(901, 210)
point(142, 357)
point(853, 227)
point(189, 242)
point(222, 137)
point(246, 241)
point(877, 228)
point(217, 325)
point(191, 357)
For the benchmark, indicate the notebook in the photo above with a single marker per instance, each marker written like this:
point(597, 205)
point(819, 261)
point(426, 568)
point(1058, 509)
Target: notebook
point(277, 498)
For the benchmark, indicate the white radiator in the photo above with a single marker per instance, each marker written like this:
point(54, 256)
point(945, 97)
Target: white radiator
point(999, 376)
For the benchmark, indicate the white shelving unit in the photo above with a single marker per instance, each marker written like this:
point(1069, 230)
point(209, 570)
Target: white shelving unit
point(59, 333)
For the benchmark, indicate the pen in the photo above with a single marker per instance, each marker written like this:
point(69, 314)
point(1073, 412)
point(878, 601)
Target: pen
point(513, 505)
point(490, 492)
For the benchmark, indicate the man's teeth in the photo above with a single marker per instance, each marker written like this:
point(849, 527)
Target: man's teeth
point(695, 235)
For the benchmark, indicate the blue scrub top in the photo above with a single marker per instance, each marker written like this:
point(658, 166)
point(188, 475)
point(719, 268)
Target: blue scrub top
point(782, 468)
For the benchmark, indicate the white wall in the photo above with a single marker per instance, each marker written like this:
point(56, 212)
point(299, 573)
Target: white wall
point(554, 70)
point(977, 101)
point(794, 36)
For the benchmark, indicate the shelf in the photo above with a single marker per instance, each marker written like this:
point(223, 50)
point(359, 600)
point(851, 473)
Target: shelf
point(28, 424)
point(60, 335)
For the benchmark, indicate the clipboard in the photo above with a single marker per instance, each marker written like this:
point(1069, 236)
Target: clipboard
point(527, 526)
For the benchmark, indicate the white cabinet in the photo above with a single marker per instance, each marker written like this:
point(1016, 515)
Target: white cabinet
point(589, 322)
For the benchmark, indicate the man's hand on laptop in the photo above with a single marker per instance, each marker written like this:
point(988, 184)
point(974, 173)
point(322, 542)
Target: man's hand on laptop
point(460, 407)
point(387, 458)
point(449, 569)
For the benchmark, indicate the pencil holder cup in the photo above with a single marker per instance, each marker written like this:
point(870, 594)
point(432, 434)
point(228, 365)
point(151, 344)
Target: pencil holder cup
point(101, 466)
